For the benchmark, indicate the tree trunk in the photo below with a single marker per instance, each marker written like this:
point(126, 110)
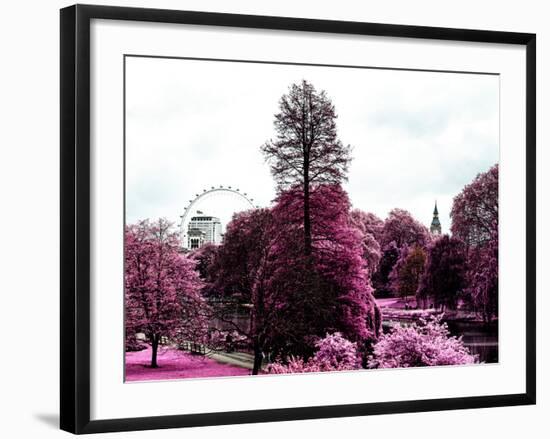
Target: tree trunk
point(155, 338)
point(258, 358)
point(258, 324)
point(307, 214)
point(486, 316)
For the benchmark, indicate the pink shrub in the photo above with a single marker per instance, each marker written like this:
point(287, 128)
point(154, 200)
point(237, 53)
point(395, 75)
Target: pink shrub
point(293, 365)
point(428, 343)
point(334, 353)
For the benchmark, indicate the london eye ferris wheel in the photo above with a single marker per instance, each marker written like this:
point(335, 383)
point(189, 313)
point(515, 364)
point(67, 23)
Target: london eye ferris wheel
point(220, 202)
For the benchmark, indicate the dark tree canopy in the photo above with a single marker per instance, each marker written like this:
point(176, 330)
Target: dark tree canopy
point(381, 277)
point(445, 274)
point(399, 232)
point(307, 151)
point(237, 260)
point(307, 145)
point(241, 271)
point(408, 270)
point(204, 256)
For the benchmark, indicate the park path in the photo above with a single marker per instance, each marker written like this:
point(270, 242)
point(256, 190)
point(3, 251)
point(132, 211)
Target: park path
point(240, 359)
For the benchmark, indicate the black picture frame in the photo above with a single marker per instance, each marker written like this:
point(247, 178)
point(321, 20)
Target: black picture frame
point(75, 217)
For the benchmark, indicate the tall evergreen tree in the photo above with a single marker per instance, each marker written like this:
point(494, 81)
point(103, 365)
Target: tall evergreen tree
point(307, 151)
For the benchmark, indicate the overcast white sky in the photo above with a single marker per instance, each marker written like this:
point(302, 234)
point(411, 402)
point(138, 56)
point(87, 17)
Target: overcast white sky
point(416, 136)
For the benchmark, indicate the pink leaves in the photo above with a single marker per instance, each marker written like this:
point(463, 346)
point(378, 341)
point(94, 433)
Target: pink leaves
point(483, 279)
point(475, 221)
point(427, 343)
point(162, 288)
point(342, 296)
point(370, 227)
point(334, 353)
point(400, 227)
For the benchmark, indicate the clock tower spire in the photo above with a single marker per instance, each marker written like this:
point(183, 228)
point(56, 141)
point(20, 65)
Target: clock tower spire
point(435, 227)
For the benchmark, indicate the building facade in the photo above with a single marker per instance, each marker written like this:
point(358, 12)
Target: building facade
point(203, 229)
point(195, 238)
point(435, 227)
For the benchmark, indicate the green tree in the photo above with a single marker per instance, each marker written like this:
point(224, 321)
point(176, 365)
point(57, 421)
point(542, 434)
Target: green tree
point(411, 271)
point(445, 274)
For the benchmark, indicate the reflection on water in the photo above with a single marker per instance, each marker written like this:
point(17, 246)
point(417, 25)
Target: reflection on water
point(231, 318)
point(481, 339)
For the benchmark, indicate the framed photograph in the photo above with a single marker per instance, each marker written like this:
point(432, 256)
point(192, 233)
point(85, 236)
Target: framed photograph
point(271, 218)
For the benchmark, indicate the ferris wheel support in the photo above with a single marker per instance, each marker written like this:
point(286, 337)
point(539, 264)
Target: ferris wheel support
point(205, 193)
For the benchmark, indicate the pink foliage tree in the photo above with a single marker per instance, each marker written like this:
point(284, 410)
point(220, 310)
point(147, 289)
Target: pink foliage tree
point(370, 227)
point(483, 279)
point(475, 220)
point(400, 232)
point(162, 288)
point(427, 343)
point(330, 290)
point(319, 266)
point(400, 227)
point(368, 223)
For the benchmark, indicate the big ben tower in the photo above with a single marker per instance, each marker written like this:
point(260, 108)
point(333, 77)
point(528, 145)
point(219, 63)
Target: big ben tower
point(435, 227)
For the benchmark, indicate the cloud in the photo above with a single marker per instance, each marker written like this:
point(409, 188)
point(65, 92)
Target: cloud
point(416, 136)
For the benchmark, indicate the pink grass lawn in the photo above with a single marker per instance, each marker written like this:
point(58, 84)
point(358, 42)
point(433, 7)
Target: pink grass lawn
point(175, 364)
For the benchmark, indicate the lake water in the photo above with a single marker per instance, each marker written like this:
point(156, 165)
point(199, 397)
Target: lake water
point(481, 340)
